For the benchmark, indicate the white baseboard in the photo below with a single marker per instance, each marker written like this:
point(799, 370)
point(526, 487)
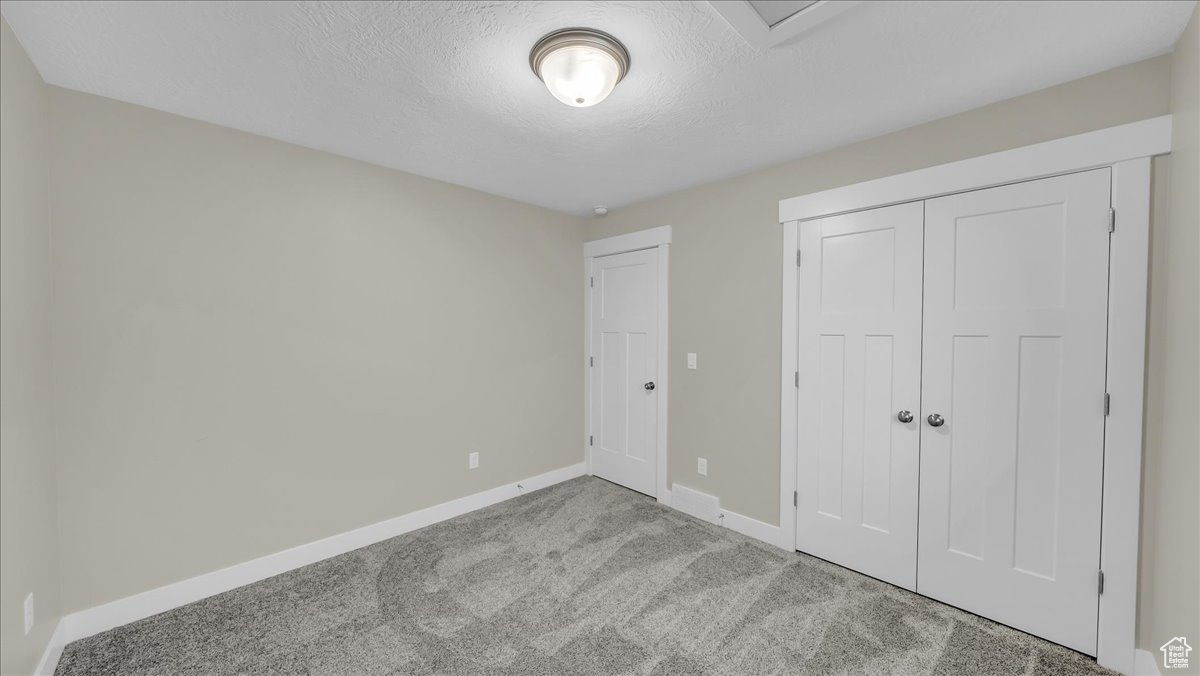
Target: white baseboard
point(1145, 663)
point(696, 504)
point(745, 525)
point(54, 649)
point(751, 527)
point(123, 611)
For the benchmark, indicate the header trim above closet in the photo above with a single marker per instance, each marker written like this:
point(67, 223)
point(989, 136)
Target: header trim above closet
point(1090, 150)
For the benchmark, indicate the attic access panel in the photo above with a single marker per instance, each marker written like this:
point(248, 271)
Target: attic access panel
point(766, 23)
point(773, 12)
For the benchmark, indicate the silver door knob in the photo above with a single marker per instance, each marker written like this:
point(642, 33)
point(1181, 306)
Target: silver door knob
point(936, 420)
point(904, 416)
point(649, 386)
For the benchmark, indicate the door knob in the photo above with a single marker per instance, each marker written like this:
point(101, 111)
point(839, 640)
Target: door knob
point(936, 420)
point(649, 385)
point(904, 416)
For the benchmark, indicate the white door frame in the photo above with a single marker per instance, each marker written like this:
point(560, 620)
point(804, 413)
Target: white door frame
point(655, 238)
point(1127, 149)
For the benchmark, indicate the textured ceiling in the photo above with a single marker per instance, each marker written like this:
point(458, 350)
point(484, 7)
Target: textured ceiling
point(443, 89)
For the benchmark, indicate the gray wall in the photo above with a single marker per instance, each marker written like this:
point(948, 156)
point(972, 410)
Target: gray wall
point(257, 345)
point(725, 291)
point(260, 345)
point(1170, 570)
point(28, 535)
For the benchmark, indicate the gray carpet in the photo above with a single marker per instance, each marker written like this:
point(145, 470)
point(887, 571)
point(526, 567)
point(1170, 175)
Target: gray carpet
point(581, 578)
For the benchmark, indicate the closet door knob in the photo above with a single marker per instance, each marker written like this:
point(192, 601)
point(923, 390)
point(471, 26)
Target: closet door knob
point(936, 420)
point(649, 386)
point(904, 416)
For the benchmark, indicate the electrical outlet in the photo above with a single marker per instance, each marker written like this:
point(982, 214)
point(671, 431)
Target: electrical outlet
point(701, 466)
point(28, 613)
point(692, 360)
point(473, 460)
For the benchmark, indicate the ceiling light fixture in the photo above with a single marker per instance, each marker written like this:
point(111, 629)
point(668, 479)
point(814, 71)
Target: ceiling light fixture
point(580, 66)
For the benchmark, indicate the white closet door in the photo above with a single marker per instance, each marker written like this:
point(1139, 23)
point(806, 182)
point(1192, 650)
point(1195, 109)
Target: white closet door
point(860, 350)
point(624, 326)
point(1016, 283)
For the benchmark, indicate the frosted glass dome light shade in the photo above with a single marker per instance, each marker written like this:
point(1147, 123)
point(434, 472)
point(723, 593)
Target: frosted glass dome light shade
point(579, 66)
point(580, 76)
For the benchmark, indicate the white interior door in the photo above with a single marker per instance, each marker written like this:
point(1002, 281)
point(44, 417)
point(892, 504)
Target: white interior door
point(860, 367)
point(1015, 331)
point(624, 345)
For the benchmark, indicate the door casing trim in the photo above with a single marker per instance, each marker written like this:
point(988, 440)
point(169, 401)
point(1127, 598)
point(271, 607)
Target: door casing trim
point(1128, 150)
point(654, 238)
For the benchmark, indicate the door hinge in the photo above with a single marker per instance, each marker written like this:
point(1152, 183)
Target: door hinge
point(1112, 220)
point(795, 498)
point(1107, 403)
point(589, 440)
point(797, 258)
point(797, 380)
point(1100, 582)
point(591, 361)
point(592, 282)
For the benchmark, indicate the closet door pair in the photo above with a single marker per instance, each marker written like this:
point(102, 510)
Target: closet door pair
point(951, 398)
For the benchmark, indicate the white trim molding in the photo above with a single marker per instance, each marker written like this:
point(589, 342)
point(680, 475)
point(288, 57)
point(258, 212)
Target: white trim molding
point(1128, 270)
point(789, 396)
point(759, 530)
point(1127, 150)
point(750, 527)
point(654, 238)
point(1144, 664)
point(130, 609)
point(54, 650)
point(664, 357)
point(634, 241)
point(1102, 148)
point(746, 21)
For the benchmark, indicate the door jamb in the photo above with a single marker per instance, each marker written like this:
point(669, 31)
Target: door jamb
point(655, 238)
point(1127, 149)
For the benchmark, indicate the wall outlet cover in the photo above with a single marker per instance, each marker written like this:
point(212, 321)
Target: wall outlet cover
point(473, 460)
point(702, 466)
